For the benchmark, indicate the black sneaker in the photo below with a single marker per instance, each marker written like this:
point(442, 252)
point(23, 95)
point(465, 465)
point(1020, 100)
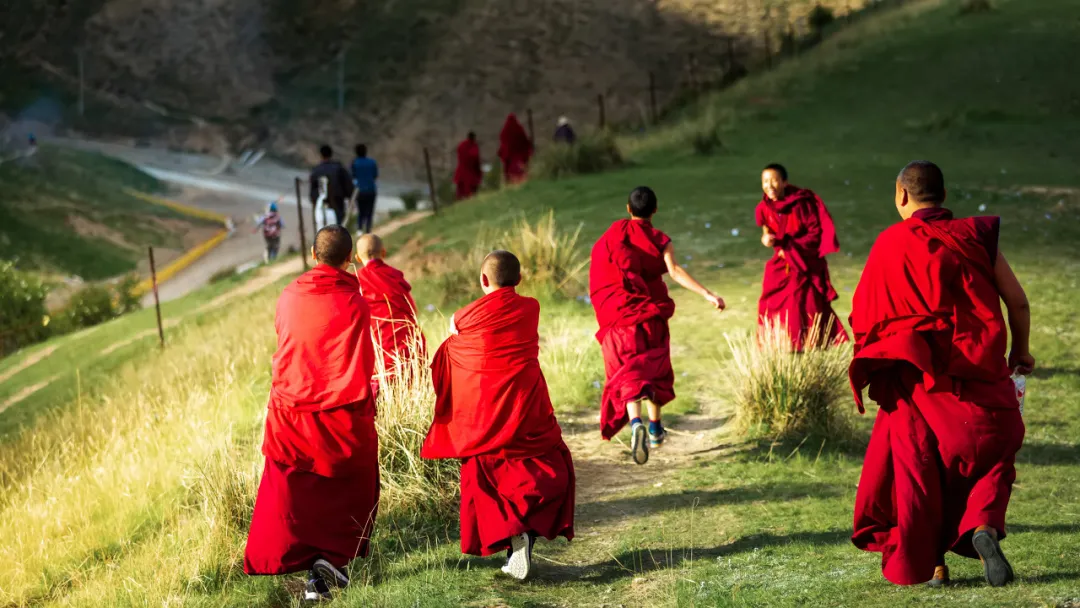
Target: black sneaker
point(996, 568)
point(316, 590)
point(328, 574)
point(639, 444)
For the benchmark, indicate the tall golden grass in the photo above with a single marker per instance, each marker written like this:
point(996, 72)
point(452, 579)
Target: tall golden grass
point(786, 394)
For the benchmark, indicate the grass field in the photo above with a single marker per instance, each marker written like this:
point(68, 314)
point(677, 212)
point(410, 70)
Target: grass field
point(114, 496)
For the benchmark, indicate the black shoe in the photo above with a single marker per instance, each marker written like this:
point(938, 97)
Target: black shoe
point(997, 569)
point(328, 574)
point(316, 590)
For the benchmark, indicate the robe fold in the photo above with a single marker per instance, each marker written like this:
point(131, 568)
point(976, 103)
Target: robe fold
point(796, 287)
point(320, 484)
point(515, 150)
point(632, 305)
point(493, 411)
point(930, 345)
point(468, 175)
point(393, 313)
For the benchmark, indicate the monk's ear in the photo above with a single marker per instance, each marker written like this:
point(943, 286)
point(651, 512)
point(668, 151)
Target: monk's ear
point(484, 280)
point(944, 196)
point(628, 209)
point(313, 258)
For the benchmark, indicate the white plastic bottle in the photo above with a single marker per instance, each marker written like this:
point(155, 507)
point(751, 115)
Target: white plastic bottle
point(1021, 389)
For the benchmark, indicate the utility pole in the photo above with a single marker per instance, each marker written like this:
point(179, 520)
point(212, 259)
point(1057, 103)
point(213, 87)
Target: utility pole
point(82, 85)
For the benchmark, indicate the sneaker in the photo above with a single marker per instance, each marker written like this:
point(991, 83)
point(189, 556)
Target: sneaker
point(639, 447)
point(941, 577)
point(328, 574)
point(316, 590)
point(996, 568)
point(519, 562)
point(657, 439)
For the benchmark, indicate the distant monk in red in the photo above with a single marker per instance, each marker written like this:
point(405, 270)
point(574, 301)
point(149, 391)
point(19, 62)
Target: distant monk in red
point(492, 410)
point(626, 284)
point(469, 174)
point(515, 150)
point(930, 343)
point(320, 484)
point(796, 289)
point(393, 312)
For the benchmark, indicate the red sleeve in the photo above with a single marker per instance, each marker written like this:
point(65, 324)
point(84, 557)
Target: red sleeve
point(759, 214)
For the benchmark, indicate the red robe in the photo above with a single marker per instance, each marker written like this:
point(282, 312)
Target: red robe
point(632, 305)
point(796, 285)
point(493, 411)
point(320, 484)
point(930, 344)
point(469, 174)
point(393, 313)
point(515, 150)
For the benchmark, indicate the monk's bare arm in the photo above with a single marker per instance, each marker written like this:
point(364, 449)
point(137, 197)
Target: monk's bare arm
point(1016, 302)
point(683, 278)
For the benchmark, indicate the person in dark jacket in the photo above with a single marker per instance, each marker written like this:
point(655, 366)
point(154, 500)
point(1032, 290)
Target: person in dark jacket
point(364, 173)
point(331, 187)
point(564, 133)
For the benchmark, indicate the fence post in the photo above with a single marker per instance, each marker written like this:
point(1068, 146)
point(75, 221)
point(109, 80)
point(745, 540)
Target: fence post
point(532, 133)
point(600, 105)
point(431, 181)
point(300, 218)
point(157, 302)
point(731, 54)
point(693, 74)
point(652, 97)
point(768, 50)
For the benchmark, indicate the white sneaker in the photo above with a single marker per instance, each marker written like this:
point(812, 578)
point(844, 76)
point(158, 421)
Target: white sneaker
point(520, 562)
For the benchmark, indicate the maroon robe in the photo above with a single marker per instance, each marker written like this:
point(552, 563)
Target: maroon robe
point(930, 344)
point(796, 287)
point(469, 174)
point(515, 150)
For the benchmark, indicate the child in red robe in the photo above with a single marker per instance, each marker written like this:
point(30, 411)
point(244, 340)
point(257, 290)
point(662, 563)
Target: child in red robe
point(493, 411)
point(320, 484)
point(626, 285)
point(393, 312)
point(930, 344)
point(515, 150)
point(795, 290)
point(469, 174)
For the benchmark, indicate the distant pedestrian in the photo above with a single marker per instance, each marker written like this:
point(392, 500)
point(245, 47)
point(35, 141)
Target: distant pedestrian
point(272, 225)
point(515, 150)
point(564, 132)
point(364, 173)
point(469, 174)
point(331, 186)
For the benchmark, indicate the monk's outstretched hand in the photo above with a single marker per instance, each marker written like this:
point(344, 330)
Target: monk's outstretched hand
point(716, 301)
point(1022, 363)
point(768, 239)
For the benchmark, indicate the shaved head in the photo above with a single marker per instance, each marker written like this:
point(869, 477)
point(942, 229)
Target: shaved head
point(924, 182)
point(333, 246)
point(502, 269)
point(369, 247)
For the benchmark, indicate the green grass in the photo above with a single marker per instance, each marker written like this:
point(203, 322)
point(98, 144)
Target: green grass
point(42, 194)
point(734, 523)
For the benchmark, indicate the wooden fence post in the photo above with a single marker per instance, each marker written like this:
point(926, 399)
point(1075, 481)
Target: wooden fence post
point(768, 50)
point(431, 182)
point(652, 98)
point(300, 218)
point(157, 302)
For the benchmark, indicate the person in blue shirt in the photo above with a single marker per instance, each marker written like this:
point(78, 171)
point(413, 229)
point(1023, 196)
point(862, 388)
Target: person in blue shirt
point(364, 172)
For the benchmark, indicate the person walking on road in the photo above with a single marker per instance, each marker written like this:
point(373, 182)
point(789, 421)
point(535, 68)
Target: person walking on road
point(272, 225)
point(364, 173)
point(331, 186)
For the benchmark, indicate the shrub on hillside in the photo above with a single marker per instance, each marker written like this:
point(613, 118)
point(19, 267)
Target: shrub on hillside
point(969, 7)
point(96, 304)
point(411, 199)
point(706, 141)
point(786, 394)
point(591, 153)
point(819, 18)
point(223, 275)
point(23, 318)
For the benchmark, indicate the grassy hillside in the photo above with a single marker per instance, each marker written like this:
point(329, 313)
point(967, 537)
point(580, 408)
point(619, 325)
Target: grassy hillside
point(64, 211)
point(129, 514)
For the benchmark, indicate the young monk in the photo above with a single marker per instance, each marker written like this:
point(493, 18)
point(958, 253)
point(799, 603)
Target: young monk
point(796, 289)
point(320, 484)
point(393, 311)
point(626, 284)
point(930, 343)
point(492, 410)
point(469, 173)
point(515, 150)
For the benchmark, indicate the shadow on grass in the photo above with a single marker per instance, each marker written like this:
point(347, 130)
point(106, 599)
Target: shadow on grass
point(1048, 454)
point(1045, 373)
point(1044, 578)
point(770, 450)
point(652, 504)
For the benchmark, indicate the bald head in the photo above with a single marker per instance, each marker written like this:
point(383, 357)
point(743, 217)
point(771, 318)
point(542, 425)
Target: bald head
point(370, 247)
point(924, 183)
point(500, 269)
point(333, 246)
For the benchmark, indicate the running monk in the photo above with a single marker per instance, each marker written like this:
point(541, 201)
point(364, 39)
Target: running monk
point(320, 483)
point(393, 311)
point(469, 174)
point(930, 343)
point(796, 289)
point(626, 284)
point(493, 411)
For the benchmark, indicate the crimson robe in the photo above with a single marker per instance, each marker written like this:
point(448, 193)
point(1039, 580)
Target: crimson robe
point(469, 174)
point(515, 150)
point(393, 313)
point(320, 485)
point(930, 343)
point(493, 411)
point(796, 286)
point(632, 305)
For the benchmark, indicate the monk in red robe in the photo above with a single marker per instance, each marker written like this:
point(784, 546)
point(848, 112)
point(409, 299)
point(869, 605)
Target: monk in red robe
point(394, 329)
point(930, 343)
point(626, 285)
point(796, 291)
point(320, 484)
point(493, 411)
point(469, 174)
point(515, 150)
